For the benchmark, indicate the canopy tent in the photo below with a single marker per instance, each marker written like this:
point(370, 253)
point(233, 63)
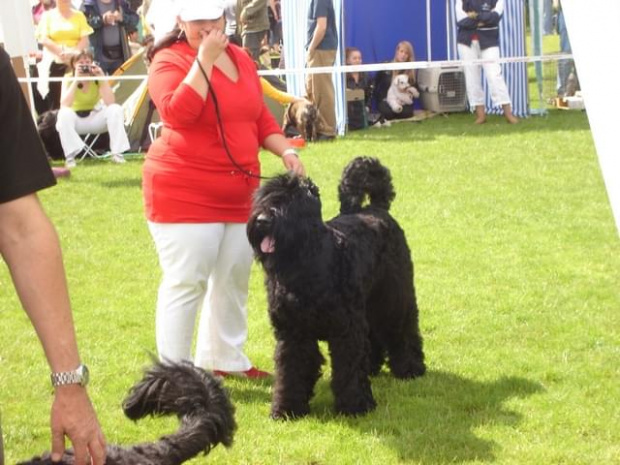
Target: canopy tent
point(591, 26)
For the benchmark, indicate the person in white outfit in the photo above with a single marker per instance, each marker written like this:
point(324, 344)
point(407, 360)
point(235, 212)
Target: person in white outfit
point(478, 38)
point(87, 107)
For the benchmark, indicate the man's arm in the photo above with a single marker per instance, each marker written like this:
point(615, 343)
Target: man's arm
point(319, 33)
point(29, 245)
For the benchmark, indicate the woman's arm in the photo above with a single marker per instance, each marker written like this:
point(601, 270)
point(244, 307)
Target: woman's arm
point(106, 93)
point(130, 17)
point(54, 48)
point(277, 95)
point(67, 96)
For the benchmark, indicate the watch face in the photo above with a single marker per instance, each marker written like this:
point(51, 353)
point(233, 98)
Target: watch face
point(83, 372)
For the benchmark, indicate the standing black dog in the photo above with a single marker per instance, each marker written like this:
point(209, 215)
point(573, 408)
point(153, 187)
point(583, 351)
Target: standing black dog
point(195, 396)
point(348, 282)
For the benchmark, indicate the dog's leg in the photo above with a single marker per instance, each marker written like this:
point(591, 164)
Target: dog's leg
point(377, 353)
point(298, 367)
point(405, 354)
point(351, 372)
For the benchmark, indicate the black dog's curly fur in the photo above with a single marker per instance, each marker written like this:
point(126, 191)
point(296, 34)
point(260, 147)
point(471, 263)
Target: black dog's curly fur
point(195, 396)
point(348, 282)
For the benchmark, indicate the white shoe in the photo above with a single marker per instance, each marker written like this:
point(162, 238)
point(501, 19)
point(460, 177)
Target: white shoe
point(117, 158)
point(70, 163)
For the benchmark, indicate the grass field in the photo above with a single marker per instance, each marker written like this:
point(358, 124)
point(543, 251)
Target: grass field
point(517, 272)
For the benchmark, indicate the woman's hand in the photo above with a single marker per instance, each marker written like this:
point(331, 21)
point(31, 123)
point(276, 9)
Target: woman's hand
point(301, 99)
point(213, 43)
point(96, 70)
point(66, 55)
point(293, 163)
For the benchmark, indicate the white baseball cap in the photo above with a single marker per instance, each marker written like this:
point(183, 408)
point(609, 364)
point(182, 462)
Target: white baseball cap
point(195, 10)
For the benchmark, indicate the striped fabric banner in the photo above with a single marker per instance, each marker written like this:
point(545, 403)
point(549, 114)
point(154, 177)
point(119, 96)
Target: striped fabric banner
point(511, 44)
point(294, 37)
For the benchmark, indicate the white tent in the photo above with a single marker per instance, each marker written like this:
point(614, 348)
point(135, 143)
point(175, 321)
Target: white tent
point(591, 27)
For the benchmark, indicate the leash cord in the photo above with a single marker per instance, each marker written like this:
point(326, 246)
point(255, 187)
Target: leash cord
point(221, 126)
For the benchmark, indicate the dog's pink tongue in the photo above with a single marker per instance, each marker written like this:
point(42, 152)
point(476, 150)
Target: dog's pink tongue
point(267, 245)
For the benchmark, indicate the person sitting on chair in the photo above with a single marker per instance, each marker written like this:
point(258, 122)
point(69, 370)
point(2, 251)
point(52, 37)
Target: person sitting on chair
point(87, 107)
point(383, 80)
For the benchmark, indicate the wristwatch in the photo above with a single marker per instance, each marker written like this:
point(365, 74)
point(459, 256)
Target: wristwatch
point(77, 376)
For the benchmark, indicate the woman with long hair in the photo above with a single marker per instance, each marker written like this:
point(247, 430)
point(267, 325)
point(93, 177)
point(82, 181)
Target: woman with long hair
point(403, 53)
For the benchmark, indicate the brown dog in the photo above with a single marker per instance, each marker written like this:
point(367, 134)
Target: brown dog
point(303, 116)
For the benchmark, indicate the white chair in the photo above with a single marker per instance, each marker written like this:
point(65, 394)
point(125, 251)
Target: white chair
point(88, 151)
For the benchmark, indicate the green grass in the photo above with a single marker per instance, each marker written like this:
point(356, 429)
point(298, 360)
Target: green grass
point(517, 270)
point(550, 46)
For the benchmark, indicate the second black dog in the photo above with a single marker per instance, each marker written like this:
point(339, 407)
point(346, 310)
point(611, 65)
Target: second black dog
point(348, 282)
point(195, 396)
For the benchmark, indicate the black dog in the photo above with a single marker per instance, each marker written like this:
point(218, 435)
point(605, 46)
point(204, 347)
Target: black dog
point(301, 118)
point(348, 281)
point(190, 393)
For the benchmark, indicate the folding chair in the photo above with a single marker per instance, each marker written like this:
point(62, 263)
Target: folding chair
point(88, 151)
point(154, 130)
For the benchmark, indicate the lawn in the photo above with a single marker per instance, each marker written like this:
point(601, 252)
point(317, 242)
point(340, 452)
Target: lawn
point(517, 266)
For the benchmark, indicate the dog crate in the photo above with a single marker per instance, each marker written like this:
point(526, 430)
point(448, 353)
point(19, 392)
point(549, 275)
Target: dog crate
point(442, 90)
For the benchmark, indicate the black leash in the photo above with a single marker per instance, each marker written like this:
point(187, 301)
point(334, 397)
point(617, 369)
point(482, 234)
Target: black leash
point(221, 126)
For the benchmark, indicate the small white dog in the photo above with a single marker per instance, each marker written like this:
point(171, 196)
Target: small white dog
point(401, 93)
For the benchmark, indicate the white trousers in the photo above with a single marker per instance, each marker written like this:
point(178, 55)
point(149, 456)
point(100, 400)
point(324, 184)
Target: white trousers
point(492, 73)
point(110, 118)
point(206, 269)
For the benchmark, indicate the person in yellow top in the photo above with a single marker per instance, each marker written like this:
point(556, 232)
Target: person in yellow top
point(63, 32)
point(88, 107)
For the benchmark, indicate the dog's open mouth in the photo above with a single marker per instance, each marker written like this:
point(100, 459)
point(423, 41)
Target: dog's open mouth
point(268, 245)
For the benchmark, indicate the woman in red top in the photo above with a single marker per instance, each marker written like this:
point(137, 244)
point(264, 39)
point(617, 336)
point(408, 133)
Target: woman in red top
point(199, 177)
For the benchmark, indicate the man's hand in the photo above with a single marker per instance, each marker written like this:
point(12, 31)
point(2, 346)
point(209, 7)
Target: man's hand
point(73, 416)
point(112, 17)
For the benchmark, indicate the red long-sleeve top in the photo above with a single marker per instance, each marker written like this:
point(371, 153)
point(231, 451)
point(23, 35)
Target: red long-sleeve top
point(187, 175)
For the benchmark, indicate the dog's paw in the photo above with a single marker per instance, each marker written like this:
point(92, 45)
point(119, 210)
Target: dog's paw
point(358, 406)
point(288, 414)
point(413, 92)
point(409, 370)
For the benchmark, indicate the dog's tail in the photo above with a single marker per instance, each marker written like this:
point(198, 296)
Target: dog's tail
point(365, 179)
point(196, 397)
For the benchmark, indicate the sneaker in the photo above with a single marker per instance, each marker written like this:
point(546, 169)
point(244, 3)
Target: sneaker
point(117, 158)
point(252, 373)
point(70, 163)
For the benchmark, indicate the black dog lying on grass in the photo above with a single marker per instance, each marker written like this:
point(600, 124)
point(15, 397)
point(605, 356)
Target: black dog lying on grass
point(195, 396)
point(348, 282)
